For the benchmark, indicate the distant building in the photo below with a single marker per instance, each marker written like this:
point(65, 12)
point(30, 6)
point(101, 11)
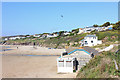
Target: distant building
point(80, 31)
point(91, 28)
point(14, 37)
point(66, 33)
point(88, 29)
point(90, 40)
point(6, 39)
point(36, 35)
point(52, 35)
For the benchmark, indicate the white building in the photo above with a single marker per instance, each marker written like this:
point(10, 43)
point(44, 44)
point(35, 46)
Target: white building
point(36, 35)
point(107, 28)
point(6, 39)
point(66, 65)
point(52, 35)
point(88, 29)
point(66, 33)
point(90, 40)
point(16, 37)
point(80, 31)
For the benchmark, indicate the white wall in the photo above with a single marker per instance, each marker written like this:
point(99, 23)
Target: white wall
point(13, 38)
point(89, 39)
point(65, 67)
point(80, 31)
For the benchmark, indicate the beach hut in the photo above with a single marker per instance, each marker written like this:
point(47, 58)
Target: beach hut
point(66, 65)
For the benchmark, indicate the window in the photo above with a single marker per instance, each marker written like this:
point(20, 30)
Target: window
point(86, 42)
point(68, 63)
point(91, 41)
point(61, 63)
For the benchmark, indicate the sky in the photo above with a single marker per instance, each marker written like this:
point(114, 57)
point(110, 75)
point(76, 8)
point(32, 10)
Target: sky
point(22, 18)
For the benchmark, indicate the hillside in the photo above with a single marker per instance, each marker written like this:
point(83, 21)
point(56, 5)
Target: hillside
point(72, 39)
point(102, 66)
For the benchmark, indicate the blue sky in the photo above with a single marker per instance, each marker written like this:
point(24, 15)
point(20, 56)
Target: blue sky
point(39, 17)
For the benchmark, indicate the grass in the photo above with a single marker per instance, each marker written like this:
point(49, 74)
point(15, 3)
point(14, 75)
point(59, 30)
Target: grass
point(72, 38)
point(102, 66)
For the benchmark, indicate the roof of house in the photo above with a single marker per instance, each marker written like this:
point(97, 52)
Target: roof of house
point(88, 49)
point(82, 39)
point(91, 50)
point(89, 27)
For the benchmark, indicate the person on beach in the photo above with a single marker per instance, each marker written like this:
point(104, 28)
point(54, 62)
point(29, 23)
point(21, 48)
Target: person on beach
point(17, 47)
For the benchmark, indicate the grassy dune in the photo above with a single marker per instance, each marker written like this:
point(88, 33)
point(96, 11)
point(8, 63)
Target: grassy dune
point(102, 66)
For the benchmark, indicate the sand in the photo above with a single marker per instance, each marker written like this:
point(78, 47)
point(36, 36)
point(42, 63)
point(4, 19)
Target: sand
point(31, 66)
point(33, 51)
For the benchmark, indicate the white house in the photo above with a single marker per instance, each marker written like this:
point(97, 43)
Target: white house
point(108, 27)
point(6, 39)
point(80, 31)
point(88, 29)
point(66, 33)
point(17, 37)
point(52, 35)
point(90, 40)
point(36, 35)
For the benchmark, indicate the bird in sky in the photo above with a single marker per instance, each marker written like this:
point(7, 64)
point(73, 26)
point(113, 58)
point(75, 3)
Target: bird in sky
point(62, 16)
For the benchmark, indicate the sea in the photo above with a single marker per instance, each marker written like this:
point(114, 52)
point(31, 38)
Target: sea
point(4, 48)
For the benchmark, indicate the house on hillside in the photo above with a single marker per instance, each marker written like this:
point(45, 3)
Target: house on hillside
point(16, 37)
point(5, 39)
point(52, 35)
point(36, 35)
point(107, 28)
point(66, 33)
point(81, 30)
point(110, 27)
point(90, 40)
point(89, 29)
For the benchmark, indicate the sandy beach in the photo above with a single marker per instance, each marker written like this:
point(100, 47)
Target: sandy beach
point(32, 66)
point(33, 51)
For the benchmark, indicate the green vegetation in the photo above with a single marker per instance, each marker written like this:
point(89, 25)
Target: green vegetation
point(102, 66)
point(72, 39)
point(109, 34)
point(106, 24)
point(116, 26)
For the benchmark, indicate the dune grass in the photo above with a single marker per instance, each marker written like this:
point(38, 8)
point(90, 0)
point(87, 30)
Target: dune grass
point(102, 66)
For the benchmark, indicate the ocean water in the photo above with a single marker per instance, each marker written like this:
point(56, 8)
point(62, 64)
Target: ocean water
point(4, 48)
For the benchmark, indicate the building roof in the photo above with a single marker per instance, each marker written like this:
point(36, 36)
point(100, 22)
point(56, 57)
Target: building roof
point(90, 36)
point(82, 39)
point(91, 50)
point(88, 49)
point(89, 27)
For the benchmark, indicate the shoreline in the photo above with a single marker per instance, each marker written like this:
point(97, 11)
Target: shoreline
point(30, 50)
